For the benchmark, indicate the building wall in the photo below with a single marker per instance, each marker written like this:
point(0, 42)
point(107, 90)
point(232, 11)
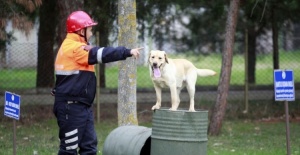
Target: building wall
point(22, 52)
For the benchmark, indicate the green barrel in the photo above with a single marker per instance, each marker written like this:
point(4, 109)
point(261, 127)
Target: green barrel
point(179, 132)
point(128, 140)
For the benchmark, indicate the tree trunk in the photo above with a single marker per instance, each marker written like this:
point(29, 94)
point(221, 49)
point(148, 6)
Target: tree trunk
point(288, 36)
point(275, 39)
point(65, 8)
point(296, 42)
point(103, 27)
point(251, 54)
point(127, 69)
point(46, 35)
point(220, 106)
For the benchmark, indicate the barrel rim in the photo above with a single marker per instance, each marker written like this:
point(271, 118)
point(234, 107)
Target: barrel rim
point(181, 110)
point(180, 139)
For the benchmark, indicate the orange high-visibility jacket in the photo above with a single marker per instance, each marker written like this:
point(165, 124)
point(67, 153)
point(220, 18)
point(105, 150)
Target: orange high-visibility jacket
point(74, 68)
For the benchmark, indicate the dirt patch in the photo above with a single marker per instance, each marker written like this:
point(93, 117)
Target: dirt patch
point(37, 113)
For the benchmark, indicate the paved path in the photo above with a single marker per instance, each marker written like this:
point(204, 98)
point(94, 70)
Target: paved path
point(150, 97)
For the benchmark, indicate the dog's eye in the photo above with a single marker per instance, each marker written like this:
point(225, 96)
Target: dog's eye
point(152, 57)
point(160, 58)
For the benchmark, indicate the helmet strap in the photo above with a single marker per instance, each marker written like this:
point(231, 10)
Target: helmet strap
point(83, 35)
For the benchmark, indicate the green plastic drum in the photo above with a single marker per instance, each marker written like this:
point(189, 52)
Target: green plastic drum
point(179, 132)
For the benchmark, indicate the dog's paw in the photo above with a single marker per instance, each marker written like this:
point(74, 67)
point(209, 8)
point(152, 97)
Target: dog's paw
point(173, 109)
point(155, 107)
point(192, 110)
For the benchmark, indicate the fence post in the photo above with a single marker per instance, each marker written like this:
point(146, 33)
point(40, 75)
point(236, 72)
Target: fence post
point(98, 81)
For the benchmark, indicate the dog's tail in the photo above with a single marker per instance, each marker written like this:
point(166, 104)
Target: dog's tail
point(206, 72)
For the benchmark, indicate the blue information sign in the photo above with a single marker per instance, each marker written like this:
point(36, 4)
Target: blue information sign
point(12, 105)
point(284, 85)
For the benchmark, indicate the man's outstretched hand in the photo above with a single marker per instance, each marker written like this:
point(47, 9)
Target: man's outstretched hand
point(136, 52)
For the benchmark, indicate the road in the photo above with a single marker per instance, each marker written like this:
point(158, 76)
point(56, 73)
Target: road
point(150, 97)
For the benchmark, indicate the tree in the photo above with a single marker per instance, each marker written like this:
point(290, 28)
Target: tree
point(259, 16)
point(202, 23)
point(105, 15)
point(65, 8)
point(46, 35)
point(220, 106)
point(287, 9)
point(127, 69)
point(21, 13)
point(275, 37)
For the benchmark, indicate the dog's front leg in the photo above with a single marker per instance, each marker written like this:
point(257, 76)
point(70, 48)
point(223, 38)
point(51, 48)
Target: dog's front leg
point(174, 99)
point(158, 98)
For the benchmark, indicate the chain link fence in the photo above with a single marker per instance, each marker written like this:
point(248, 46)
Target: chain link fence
point(18, 74)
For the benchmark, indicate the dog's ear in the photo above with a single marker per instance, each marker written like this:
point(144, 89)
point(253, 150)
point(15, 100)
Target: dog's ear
point(166, 58)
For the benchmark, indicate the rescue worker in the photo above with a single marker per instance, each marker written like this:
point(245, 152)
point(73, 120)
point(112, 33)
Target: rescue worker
point(75, 84)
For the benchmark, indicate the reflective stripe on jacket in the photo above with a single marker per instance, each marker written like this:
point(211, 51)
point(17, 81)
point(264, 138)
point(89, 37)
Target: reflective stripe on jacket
point(74, 68)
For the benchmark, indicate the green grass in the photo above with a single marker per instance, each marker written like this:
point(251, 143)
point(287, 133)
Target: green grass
point(17, 78)
point(264, 69)
point(254, 138)
point(237, 137)
point(26, 78)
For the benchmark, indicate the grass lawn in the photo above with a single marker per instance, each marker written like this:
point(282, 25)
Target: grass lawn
point(238, 137)
point(254, 138)
point(26, 78)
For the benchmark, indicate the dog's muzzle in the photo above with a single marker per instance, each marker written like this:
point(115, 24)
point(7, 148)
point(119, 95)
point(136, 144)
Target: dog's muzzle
point(156, 70)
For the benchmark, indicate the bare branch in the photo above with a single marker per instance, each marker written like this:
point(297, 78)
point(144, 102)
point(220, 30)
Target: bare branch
point(263, 10)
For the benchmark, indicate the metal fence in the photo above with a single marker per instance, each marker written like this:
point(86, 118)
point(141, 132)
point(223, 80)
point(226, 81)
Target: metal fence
point(18, 70)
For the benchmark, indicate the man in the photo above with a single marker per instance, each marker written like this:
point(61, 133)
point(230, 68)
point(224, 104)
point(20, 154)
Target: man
point(75, 84)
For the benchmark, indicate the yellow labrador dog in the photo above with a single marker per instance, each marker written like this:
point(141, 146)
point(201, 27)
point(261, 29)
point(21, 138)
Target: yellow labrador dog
point(175, 74)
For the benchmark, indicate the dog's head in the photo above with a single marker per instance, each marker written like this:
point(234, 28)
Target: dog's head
point(157, 60)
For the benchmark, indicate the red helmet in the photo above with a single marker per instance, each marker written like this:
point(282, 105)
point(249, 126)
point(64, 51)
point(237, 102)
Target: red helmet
point(79, 20)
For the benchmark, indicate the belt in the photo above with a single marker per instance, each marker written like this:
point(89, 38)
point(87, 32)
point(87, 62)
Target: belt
point(70, 102)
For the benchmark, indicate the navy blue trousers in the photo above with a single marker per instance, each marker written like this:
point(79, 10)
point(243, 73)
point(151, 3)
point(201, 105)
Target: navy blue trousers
point(76, 128)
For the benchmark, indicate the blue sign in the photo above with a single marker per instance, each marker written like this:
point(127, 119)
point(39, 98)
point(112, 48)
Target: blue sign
point(12, 105)
point(284, 85)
